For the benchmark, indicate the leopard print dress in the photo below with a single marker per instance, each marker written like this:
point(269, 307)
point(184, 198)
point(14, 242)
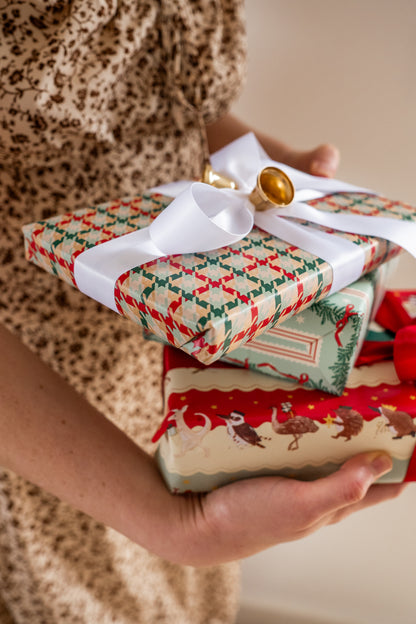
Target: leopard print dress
point(99, 99)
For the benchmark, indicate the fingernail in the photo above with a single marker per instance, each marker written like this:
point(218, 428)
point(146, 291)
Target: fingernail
point(322, 168)
point(380, 463)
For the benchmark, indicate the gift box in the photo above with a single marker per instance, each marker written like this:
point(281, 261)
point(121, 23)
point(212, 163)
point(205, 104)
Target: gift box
point(208, 303)
point(223, 423)
point(207, 271)
point(317, 347)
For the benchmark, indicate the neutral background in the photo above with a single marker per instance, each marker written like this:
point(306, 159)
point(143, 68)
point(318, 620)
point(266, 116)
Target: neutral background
point(343, 72)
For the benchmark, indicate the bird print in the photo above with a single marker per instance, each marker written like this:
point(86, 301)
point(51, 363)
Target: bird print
point(295, 426)
point(240, 431)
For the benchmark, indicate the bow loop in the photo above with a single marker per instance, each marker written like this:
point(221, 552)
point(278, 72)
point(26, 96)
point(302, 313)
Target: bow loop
point(404, 353)
point(398, 342)
point(201, 219)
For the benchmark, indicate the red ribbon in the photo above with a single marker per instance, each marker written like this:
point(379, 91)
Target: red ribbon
point(304, 377)
point(342, 322)
point(404, 353)
point(244, 364)
point(393, 316)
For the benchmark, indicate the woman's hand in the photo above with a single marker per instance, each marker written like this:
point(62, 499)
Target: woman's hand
point(245, 517)
point(321, 161)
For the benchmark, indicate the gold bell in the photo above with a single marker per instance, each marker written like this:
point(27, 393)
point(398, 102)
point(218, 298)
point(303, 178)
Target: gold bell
point(218, 180)
point(273, 188)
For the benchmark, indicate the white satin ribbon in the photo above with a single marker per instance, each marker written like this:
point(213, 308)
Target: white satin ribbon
point(202, 218)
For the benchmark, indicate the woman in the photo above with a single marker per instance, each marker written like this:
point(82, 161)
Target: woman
point(102, 100)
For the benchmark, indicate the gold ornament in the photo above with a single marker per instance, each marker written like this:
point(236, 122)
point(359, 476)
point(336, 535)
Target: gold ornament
point(273, 188)
point(218, 180)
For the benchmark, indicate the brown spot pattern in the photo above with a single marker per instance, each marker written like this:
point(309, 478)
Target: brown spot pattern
point(97, 101)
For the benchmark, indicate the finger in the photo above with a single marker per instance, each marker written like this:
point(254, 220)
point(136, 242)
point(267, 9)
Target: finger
point(347, 486)
point(321, 161)
point(377, 493)
point(324, 161)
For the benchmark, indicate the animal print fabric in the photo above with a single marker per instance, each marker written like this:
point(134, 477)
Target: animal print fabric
point(98, 100)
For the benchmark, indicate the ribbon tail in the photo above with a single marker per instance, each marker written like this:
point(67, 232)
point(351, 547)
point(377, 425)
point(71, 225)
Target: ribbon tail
point(97, 269)
point(402, 233)
point(345, 258)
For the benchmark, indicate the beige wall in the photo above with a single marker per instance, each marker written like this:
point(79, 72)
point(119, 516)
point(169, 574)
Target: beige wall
point(326, 70)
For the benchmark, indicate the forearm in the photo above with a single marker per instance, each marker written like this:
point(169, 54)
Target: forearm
point(52, 436)
point(229, 128)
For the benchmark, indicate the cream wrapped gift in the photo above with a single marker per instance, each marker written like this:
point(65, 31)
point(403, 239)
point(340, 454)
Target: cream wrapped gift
point(223, 423)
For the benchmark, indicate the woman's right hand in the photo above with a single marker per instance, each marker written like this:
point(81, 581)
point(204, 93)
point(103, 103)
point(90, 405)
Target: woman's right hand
point(245, 517)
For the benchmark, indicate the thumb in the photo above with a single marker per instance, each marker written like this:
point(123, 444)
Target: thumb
point(348, 485)
point(324, 161)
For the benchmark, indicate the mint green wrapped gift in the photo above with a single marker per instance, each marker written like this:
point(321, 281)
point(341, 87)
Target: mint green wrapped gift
point(318, 346)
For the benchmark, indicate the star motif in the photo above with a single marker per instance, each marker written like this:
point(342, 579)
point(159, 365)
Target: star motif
point(214, 407)
point(345, 393)
point(311, 406)
point(412, 398)
point(300, 319)
point(183, 398)
point(329, 420)
point(374, 398)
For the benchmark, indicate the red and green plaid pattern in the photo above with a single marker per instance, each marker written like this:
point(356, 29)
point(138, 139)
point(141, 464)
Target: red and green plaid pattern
point(206, 303)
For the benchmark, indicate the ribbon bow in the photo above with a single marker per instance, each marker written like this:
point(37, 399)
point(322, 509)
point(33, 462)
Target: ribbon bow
point(398, 343)
point(202, 218)
point(339, 325)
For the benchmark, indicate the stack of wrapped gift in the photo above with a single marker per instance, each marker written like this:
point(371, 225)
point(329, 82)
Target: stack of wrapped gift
point(228, 297)
point(222, 424)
